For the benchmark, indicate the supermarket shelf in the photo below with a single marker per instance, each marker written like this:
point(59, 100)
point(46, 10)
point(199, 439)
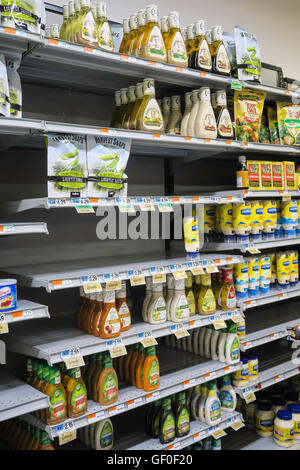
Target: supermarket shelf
point(267, 443)
point(177, 374)
point(62, 275)
point(18, 398)
point(198, 431)
point(23, 228)
point(247, 193)
point(14, 40)
point(275, 295)
point(48, 340)
point(244, 247)
point(27, 310)
point(247, 439)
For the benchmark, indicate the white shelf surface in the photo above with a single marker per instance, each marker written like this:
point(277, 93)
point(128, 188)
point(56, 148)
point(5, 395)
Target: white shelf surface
point(14, 40)
point(267, 443)
point(275, 295)
point(48, 340)
point(27, 310)
point(198, 432)
point(56, 276)
point(244, 247)
point(18, 398)
point(177, 374)
point(23, 228)
point(248, 193)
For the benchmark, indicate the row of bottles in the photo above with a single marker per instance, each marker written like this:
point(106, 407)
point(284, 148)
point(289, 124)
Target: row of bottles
point(219, 345)
point(99, 436)
point(192, 47)
point(83, 24)
point(168, 418)
point(104, 314)
point(101, 379)
point(17, 434)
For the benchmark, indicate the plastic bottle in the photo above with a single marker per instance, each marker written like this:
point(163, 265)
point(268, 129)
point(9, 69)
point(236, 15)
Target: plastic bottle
point(103, 435)
point(242, 215)
point(125, 40)
point(224, 123)
point(226, 222)
point(86, 26)
point(206, 298)
point(278, 403)
point(167, 422)
point(295, 410)
point(179, 308)
point(131, 104)
point(264, 422)
point(257, 220)
point(175, 46)
point(283, 270)
point(110, 325)
point(240, 378)
point(139, 377)
point(201, 340)
point(164, 27)
point(151, 370)
point(190, 43)
point(232, 345)
point(227, 293)
point(227, 395)
point(157, 312)
point(221, 63)
point(139, 91)
point(174, 123)
point(187, 112)
point(57, 412)
point(289, 217)
point(201, 57)
point(273, 270)
point(76, 394)
point(147, 298)
point(212, 405)
point(294, 268)
point(182, 418)
point(270, 219)
point(123, 309)
point(253, 272)
point(195, 400)
point(253, 368)
point(207, 340)
point(149, 117)
point(153, 46)
point(205, 121)
point(137, 42)
point(104, 34)
point(284, 429)
point(221, 344)
point(62, 33)
point(68, 33)
point(241, 279)
point(214, 345)
point(191, 130)
point(242, 174)
point(264, 274)
point(107, 386)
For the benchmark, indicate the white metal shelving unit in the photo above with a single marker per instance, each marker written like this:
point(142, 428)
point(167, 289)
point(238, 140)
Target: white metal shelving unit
point(23, 228)
point(27, 310)
point(275, 295)
point(244, 247)
point(18, 398)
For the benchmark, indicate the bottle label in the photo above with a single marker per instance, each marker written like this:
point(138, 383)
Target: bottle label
point(105, 39)
point(226, 399)
point(204, 57)
point(265, 425)
point(159, 312)
point(208, 303)
point(191, 301)
point(222, 61)
point(156, 47)
point(283, 434)
point(168, 428)
point(152, 118)
point(210, 122)
point(124, 315)
point(215, 411)
point(253, 369)
point(78, 399)
point(58, 406)
point(235, 350)
point(89, 30)
point(112, 324)
point(242, 179)
point(183, 422)
point(106, 436)
point(225, 128)
point(177, 53)
point(231, 299)
point(110, 389)
point(153, 374)
point(182, 308)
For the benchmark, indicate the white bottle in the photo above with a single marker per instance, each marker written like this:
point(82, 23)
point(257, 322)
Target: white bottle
point(195, 402)
point(147, 298)
point(212, 405)
point(193, 114)
point(205, 122)
point(232, 345)
point(221, 345)
point(170, 293)
point(213, 345)
point(104, 435)
point(157, 306)
point(174, 123)
point(179, 308)
point(186, 114)
point(202, 335)
point(207, 338)
point(227, 395)
point(196, 341)
point(202, 402)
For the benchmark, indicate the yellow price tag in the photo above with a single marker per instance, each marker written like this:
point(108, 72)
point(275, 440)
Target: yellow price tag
point(117, 351)
point(127, 208)
point(114, 285)
point(179, 275)
point(212, 269)
point(253, 250)
point(197, 271)
point(218, 325)
point(149, 341)
point(237, 425)
point(76, 361)
point(67, 436)
point(249, 397)
point(219, 433)
point(3, 325)
point(137, 281)
point(90, 287)
point(88, 209)
point(147, 207)
point(181, 333)
point(287, 198)
point(158, 278)
point(238, 319)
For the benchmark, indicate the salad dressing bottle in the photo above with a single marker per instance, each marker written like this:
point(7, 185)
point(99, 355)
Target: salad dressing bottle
point(147, 298)
point(228, 297)
point(189, 293)
point(45, 443)
point(91, 313)
point(149, 117)
point(170, 293)
point(94, 378)
point(133, 363)
point(151, 370)
point(196, 289)
point(110, 324)
point(125, 40)
point(74, 28)
point(130, 107)
point(212, 405)
point(57, 412)
point(190, 43)
point(104, 34)
point(70, 22)
point(124, 104)
point(136, 44)
point(175, 46)
point(224, 124)
point(179, 309)
point(187, 112)
point(62, 33)
point(86, 26)
point(206, 299)
point(205, 122)
point(201, 57)
point(193, 114)
point(166, 108)
point(153, 46)
point(139, 371)
point(97, 315)
point(167, 422)
point(221, 63)
point(76, 394)
point(174, 122)
point(157, 306)
point(133, 24)
point(182, 417)
point(117, 110)
point(89, 374)
point(123, 309)
point(139, 91)
point(107, 385)
point(164, 21)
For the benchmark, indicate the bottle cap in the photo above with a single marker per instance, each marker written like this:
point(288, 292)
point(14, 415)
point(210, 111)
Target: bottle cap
point(286, 415)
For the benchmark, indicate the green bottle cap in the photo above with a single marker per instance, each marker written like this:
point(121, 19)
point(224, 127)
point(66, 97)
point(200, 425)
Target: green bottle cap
point(151, 351)
point(166, 403)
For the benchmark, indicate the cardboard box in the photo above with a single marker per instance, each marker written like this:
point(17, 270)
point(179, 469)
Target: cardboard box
point(266, 175)
point(278, 176)
point(290, 181)
point(254, 174)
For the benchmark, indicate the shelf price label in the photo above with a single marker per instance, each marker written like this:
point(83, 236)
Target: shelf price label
point(3, 324)
point(218, 433)
point(116, 348)
point(197, 271)
point(84, 209)
point(237, 425)
point(249, 396)
point(136, 277)
point(94, 417)
point(178, 271)
point(91, 284)
point(252, 249)
point(147, 339)
point(113, 281)
point(212, 268)
point(235, 84)
point(134, 403)
point(210, 376)
point(61, 283)
point(174, 446)
point(72, 357)
point(114, 410)
point(152, 396)
point(7, 228)
point(165, 207)
point(66, 432)
point(219, 324)
point(22, 314)
point(188, 383)
point(237, 318)
point(179, 331)
point(158, 274)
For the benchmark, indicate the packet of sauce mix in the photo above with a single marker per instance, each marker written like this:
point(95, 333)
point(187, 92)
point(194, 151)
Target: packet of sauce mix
point(254, 174)
point(289, 175)
point(277, 175)
point(266, 175)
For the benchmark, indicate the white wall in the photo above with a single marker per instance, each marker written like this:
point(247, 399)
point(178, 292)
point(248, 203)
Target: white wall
point(275, 22)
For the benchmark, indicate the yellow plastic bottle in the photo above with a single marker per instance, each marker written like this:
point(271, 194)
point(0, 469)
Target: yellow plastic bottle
point(164, 22)
point(175, 46)
point(62, 33)
point(190, 44)
point(153, 46)
point(151, 370)
point(130, 107)
point(221, 63)
point(104, 34)
point(189, 293)
point(228, 297)
point(149, 117)
point(73, 36)
point(133, 24)
point(76, 394)
point(57, 412)
point(136, 43)
point(117, 111)
point(139, 98)
point(206, 299)
point(86, 27)
point(125, 40)
point(68, 32)
point(124, 104)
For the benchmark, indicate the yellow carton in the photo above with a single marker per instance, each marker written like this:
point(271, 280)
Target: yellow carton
point(278, 176)
point(266, 175)
point(254, 178)
point(289, 176)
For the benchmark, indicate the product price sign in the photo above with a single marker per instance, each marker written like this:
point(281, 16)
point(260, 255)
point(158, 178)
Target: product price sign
point(114, 410)
point(134, 403)
point(66, 432)
point(237, 318)
point(218, 433)
point(136, 277)
point(72, 357)
point(212, 268)
point(145, 204)
point(179, 331)
point(147, 339)
point(7, 229)
point(152, 396)
point(113, 281)
point(188, 383)
point(249, 396)
point(174, 446)
point(237, 425)
point(165, 207)
point(116, 348)
point(61, 283)
point(85, 209)
point(94, 417)
point(219, 324)
point(3, 325)
point(127, 208)
point(178, 271)
point(91, 284)
point(158, 274)
point(197, 271)
point(235, 84)
point(252, 249)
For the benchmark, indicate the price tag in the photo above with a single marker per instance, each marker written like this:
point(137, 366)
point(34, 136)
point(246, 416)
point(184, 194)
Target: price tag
point(235, 84)
point(66, 432)
point(237, 425)
point(179, 275)
point(249, 397)
point(128, 208)
point(158, 278)
point(85, 209)
point(165, 207)
point(3, 325)
point(115, 284)
point(137, 280)
point(94, 417)
point(147, 207)
point(210, 376)
point(279, 378)
point(237, 318)
point(116, 348)
point(60, 283)
point(287, 198)
point(229, 369)
point(212, 269)
point(134, 403)
point(147, 339)
point(72, 358)
point(114, 410)
point(22, 314)
point(91, 284)
point(199, 436)
point(253, 250)
point(174, 446)
point(282, 295)
point(218, 325)
point(181, 333)
point(188, 383)
point(7, 228)
point(197, 271)
point(250, 303)
point(152, 396)
point(219, 433)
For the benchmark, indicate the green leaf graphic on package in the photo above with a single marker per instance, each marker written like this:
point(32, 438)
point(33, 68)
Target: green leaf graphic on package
point(20, 10)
